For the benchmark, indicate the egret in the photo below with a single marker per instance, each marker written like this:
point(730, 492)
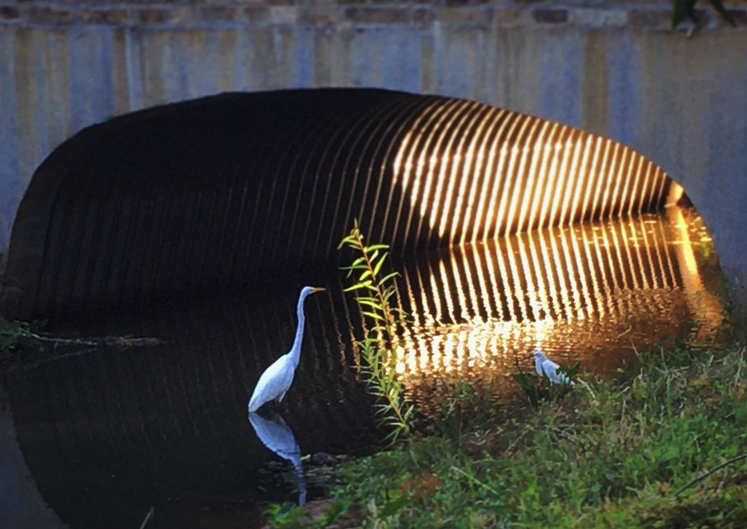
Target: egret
point(544, 365)
point(275, 381)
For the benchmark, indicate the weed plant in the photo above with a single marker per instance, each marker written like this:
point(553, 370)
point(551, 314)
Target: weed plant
point(15, 337)
point(375, 294)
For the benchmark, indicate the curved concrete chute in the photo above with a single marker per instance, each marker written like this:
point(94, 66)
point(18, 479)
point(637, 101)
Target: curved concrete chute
point(218, 192)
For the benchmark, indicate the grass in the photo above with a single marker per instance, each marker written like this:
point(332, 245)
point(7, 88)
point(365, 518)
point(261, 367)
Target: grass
point(22, 346)
point(16, 336)
point(662, 445)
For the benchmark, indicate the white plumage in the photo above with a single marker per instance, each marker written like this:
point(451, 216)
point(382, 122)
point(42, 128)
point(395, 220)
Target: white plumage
point(544, 365)
point(277, 379)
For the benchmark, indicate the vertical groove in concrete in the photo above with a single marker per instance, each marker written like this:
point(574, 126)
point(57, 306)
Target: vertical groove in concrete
point(216, 193)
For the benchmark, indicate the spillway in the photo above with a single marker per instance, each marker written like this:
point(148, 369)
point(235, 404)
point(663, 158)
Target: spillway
point(216, 194)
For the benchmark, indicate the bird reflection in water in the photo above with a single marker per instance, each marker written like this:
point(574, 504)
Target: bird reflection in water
point(276, 435)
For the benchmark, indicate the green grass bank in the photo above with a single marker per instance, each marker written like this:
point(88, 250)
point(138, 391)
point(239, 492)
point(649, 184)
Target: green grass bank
point(661, 445)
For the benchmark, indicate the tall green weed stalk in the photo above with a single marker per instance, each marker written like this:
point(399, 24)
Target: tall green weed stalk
point(375, 295)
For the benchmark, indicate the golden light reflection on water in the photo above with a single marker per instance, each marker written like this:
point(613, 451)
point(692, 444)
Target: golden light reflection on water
point(590, 292)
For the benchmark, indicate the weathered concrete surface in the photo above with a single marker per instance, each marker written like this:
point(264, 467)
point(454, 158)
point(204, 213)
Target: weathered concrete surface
point(679, 101)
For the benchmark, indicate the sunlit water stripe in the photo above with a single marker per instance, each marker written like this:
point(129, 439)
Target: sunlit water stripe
point(377, 173)
point(426, 142)
point(496, 173)
point(473, 225)
point(536, 177)
point(452, 217)
point(590, 170)
point(363, 157)
point(445, 174)
point(546, 283)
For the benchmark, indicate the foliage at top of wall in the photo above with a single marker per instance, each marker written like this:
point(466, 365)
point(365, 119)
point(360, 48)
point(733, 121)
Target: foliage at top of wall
point(685, 9)
point(656, 15)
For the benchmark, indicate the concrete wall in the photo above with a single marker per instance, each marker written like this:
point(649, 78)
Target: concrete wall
point(608, 66)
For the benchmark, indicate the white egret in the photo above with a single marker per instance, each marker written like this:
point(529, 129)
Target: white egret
point(544, 365)
point(275, 381)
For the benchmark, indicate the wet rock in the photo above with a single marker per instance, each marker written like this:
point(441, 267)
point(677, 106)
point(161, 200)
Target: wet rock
point(323, 459)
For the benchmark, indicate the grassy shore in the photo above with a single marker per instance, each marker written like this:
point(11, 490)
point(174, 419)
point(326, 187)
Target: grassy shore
point(664, 444)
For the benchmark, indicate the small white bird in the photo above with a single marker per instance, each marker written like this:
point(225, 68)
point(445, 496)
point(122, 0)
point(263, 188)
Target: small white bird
point(544, 365)
point(277, 379)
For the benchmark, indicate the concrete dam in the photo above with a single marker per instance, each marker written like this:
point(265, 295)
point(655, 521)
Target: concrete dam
point(217, 193)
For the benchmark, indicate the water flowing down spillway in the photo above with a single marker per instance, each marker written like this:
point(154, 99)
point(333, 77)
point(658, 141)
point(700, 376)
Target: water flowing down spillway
point(211, 195)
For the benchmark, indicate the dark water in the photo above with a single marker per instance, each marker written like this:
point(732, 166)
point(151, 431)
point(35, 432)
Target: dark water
point(100, 437)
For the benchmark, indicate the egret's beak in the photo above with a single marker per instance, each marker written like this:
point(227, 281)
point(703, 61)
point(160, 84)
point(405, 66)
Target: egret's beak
point(319, 289)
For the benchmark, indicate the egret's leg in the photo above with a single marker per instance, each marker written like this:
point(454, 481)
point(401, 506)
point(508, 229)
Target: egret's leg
point(278, 400)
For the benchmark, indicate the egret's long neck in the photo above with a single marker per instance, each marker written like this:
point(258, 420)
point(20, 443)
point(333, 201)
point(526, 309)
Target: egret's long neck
point(296, 351)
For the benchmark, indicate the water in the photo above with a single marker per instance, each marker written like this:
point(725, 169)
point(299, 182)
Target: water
point(593, 293)
point(101, 437)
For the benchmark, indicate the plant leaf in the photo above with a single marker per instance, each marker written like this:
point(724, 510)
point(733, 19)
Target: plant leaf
point(388, 278)
point(337, 509)
point(374, 304)
point(375, 247)
point(372, 315)
point(377, 267)
point(358, 286)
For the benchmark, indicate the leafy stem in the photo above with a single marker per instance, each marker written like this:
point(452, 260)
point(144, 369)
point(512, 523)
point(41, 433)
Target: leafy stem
point(376, 306)
point(374, 293)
